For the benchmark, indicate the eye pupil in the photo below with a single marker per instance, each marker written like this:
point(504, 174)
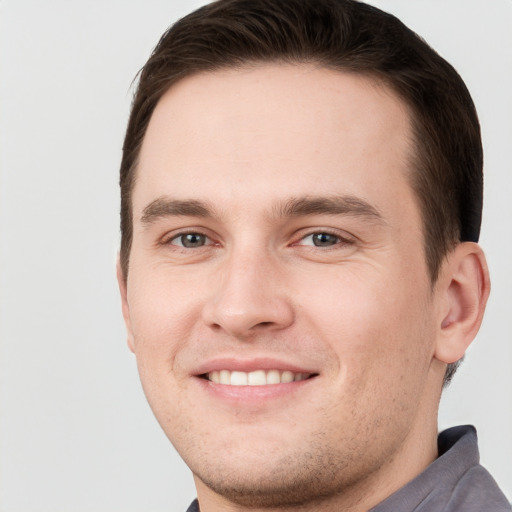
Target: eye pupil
point(193, 240)
point(324, 239)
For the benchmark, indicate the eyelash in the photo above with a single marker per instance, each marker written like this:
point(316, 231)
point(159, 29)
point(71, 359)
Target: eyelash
point(340, 240)
point(170, 239)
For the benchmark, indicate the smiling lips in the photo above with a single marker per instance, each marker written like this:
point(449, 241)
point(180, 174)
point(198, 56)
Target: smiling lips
point(255, 378)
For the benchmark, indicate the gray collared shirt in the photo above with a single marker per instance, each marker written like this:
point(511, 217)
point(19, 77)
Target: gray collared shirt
point(454, 482)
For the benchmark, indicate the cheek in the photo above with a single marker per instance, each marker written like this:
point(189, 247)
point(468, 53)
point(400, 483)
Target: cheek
point(162, 317)
point(383, 348)
point(161, 321)
point(375, 326)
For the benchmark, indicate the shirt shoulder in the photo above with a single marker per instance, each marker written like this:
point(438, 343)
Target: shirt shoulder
point(454, 482)
point(477, 491)
point(194, 507)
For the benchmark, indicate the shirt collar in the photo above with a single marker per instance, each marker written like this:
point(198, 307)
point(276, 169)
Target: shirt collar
point(458, 452)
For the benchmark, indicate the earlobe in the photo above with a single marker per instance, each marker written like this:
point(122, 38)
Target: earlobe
point(124, 304)
point(464, 287)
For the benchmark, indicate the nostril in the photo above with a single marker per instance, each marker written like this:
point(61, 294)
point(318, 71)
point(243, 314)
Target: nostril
point(264, 324)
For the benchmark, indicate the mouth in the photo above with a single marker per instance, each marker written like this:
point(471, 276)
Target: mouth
point(255, 378)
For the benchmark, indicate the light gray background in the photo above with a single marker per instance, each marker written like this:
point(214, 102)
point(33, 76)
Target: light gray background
point(75, 431)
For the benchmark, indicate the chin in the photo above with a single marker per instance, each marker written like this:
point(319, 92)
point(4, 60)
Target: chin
point(269, 478)
point(283, 486)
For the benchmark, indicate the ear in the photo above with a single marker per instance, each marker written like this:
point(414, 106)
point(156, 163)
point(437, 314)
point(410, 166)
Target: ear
point(124, 304)
point(464, 287)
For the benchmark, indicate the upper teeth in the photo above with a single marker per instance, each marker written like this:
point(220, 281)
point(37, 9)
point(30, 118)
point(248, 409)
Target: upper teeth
point(256, 378)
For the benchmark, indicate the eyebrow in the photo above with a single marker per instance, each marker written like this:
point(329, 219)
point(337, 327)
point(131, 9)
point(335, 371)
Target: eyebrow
point(330, 205)
point(294, 207)
point(167, 207)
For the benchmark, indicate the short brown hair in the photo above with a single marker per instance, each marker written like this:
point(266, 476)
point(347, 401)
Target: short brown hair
point(344, 35)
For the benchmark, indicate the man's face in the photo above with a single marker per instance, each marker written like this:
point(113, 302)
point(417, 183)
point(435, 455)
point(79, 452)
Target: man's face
point(278, 300)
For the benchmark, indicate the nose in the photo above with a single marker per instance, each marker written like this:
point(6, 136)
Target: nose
point(249, 296)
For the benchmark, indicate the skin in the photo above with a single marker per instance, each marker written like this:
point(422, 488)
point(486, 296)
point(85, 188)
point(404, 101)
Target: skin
point(224, 156)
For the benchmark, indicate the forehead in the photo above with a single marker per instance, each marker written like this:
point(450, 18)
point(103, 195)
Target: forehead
point(275, 128)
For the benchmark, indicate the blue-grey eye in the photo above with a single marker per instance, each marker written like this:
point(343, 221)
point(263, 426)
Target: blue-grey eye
point(324, 239)
point(191, 240)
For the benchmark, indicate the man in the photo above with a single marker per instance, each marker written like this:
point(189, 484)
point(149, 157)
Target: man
point(301, 200)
